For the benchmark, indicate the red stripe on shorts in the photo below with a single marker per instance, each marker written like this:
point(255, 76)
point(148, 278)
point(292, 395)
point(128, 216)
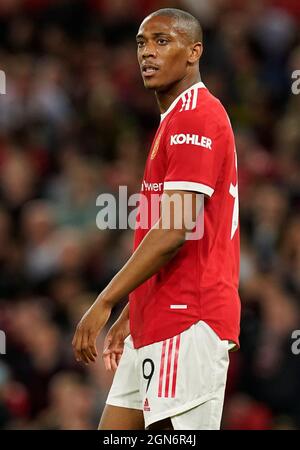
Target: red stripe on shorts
point(169, 367)
point(175, 366)
point(162, 366)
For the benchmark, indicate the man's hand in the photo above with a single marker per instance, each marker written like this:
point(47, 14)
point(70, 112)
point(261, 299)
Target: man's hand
point(114, 343)
point(87, 331)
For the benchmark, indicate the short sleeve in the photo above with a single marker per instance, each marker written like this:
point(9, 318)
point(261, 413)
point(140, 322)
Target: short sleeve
point(196, 146)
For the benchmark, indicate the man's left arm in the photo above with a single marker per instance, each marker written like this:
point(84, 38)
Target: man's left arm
point(158, 247)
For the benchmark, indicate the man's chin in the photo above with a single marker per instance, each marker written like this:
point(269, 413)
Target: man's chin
point(152, 84)
point(155, 85)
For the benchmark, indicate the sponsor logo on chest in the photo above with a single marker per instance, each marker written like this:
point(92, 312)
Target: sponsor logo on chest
point(194, 139)
point(151, 186)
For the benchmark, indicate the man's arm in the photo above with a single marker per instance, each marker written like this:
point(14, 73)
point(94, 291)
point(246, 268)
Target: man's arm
point(158, 247)
point(113, 346)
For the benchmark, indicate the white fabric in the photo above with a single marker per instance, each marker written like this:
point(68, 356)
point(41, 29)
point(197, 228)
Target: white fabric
point(202, 365)
point(188, 186)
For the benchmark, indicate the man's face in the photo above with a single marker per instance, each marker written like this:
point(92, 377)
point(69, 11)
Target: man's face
point(162, 51)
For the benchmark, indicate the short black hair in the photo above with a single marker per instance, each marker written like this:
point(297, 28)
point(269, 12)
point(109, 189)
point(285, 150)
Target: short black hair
point(185, 21)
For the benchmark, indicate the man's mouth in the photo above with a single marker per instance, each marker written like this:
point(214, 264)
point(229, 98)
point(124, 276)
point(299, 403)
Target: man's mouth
point(149, 70)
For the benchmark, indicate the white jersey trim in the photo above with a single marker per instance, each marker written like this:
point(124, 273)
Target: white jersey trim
point(186, 97)
point(188, 186)
point(178, 306)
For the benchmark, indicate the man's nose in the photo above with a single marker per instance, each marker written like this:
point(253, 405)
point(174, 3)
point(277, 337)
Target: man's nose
point(149, 50)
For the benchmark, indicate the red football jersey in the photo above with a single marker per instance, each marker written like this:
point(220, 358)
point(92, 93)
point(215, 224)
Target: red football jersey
point(193, 150)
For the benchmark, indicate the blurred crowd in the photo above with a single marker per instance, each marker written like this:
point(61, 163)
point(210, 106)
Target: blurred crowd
point(76, 122)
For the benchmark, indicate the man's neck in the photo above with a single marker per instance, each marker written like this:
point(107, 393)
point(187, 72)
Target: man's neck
point(166, 98)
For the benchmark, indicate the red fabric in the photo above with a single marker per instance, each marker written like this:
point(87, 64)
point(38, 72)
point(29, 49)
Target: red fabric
point(175, 366)
point(169, 367)
point(204, 273)
point(162, 366)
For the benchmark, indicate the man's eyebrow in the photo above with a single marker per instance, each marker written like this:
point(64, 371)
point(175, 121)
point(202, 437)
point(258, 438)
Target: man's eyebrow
point(158, 34)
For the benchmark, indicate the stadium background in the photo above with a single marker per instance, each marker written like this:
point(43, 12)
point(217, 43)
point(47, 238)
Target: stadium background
point(76, 122)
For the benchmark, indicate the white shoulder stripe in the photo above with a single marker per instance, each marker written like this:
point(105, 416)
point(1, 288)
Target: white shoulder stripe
point(183, 98)
point(188, 101)
point(183, 102)
point(195, 97)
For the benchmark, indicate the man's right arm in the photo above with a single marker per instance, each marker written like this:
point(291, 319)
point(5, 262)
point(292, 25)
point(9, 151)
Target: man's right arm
point(114, 340)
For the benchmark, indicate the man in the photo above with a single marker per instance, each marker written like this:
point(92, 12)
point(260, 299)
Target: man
point(184, 304)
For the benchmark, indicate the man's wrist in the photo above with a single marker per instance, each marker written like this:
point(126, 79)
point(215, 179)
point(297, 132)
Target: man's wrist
point(104, 301)
point(125, 313)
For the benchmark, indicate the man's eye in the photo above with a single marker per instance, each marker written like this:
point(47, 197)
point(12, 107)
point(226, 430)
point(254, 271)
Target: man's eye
point(162, 41)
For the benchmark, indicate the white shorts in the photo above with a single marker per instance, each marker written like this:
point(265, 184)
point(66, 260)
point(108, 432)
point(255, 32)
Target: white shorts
point(182, 378)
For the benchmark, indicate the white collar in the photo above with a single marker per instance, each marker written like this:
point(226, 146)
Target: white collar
point(198, 85)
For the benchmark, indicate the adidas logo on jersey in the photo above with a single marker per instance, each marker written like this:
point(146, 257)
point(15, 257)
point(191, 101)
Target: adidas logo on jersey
point(193, 139)
point(146, 405)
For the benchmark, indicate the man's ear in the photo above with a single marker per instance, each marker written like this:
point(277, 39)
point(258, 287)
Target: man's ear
point(196, 50)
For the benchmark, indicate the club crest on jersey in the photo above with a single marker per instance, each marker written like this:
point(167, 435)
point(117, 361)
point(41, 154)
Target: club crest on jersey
point(194, 139)
point(155, 148)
